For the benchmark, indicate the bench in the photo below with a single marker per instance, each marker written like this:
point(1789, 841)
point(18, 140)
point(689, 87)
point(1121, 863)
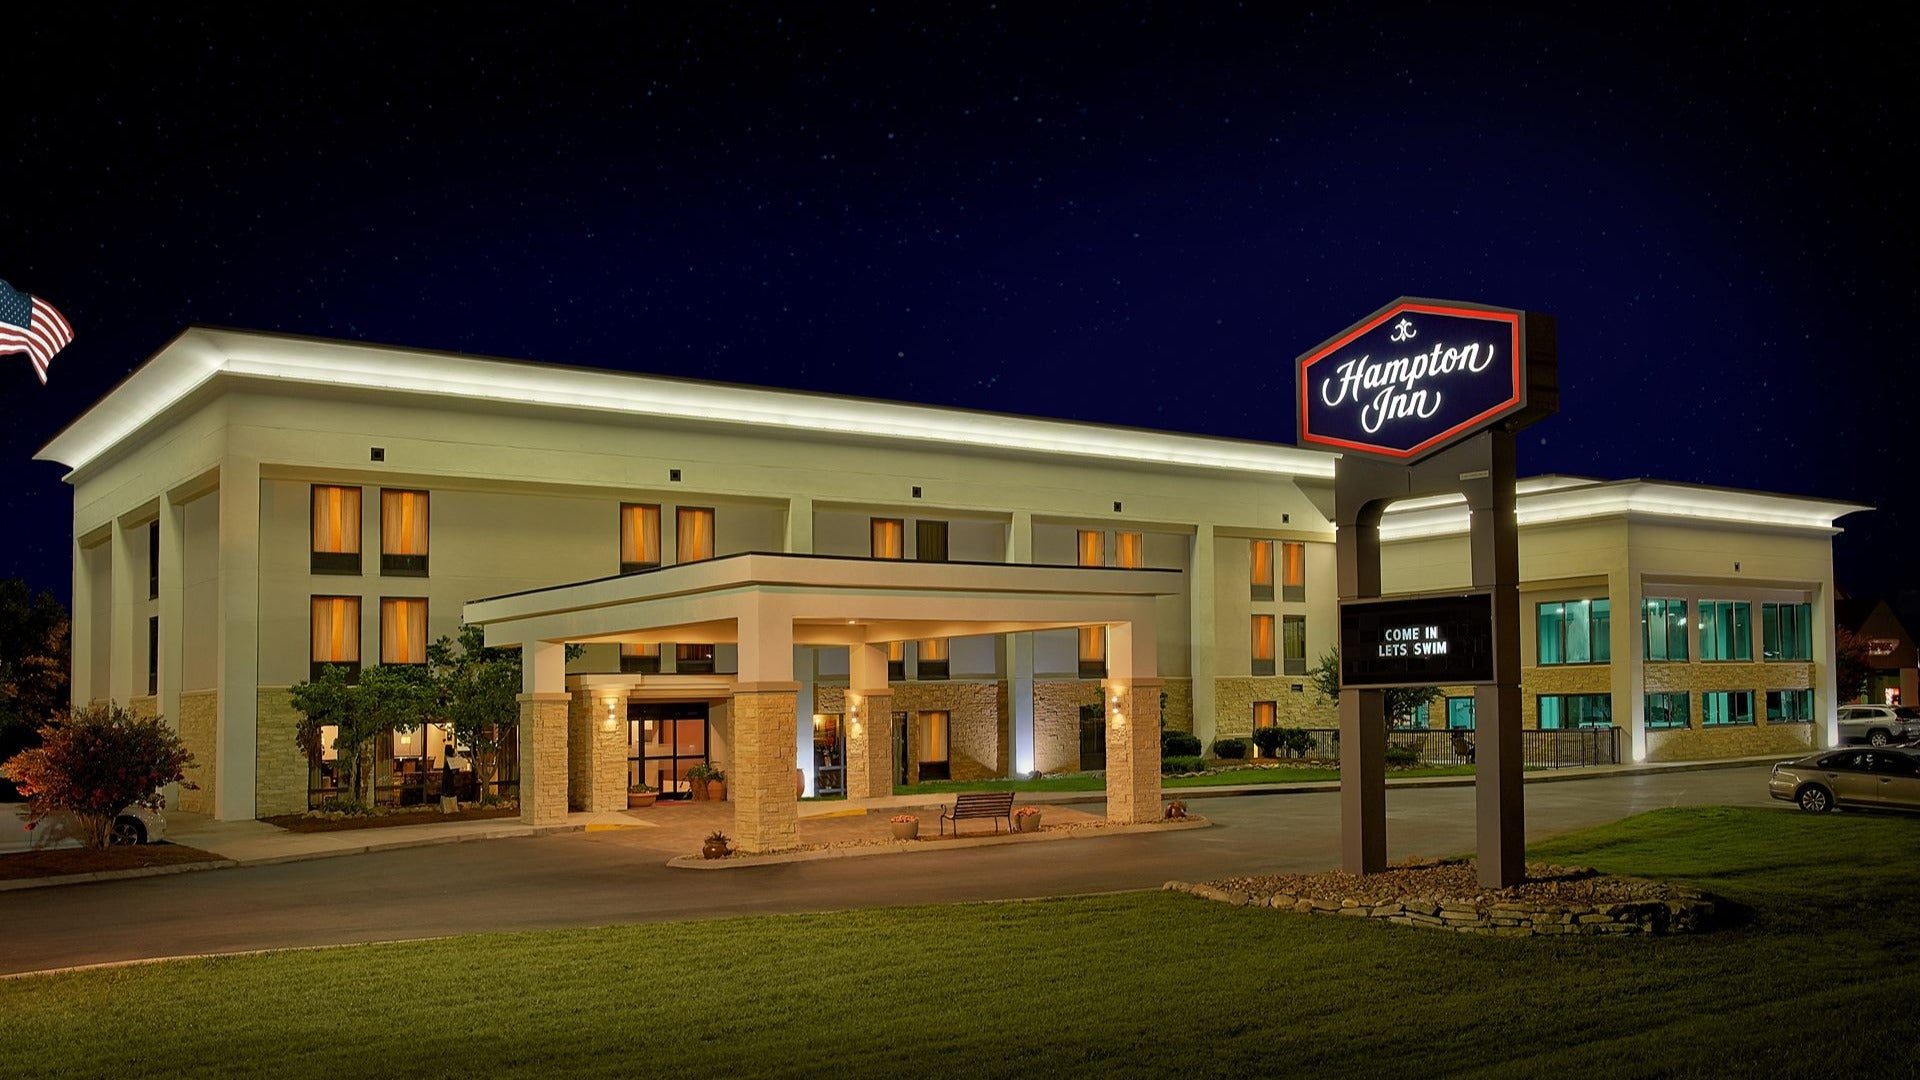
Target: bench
point(979, 804)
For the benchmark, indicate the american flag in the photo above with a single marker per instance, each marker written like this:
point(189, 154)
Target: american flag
point(30, 325)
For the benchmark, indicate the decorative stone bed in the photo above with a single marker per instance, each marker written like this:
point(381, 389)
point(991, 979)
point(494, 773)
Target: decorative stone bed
point(1446, 894)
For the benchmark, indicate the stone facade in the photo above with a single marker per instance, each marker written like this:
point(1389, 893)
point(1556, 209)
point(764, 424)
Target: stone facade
point(976, 731)
point(596, 753)
point(869, 743)
point(543, 758)
point(765, 813)
point(280, 770)
point(1233, 700)
point(145, 707)
point(1133, 751)
point(1731, 740)
point(1177, 715)
point(1559, 679)
point(1056, 723)
point(199, 721)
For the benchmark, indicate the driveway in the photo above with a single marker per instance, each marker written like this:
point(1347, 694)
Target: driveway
point(600, 878)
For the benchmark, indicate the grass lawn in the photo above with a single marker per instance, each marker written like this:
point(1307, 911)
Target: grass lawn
point(1820, 980)
point(1097, 782)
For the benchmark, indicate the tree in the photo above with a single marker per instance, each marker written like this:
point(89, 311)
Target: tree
point(1402, 701)
point(34, 656)
point(388, 699)
point(94, 763)
point(476, 691)
point(1852, 667)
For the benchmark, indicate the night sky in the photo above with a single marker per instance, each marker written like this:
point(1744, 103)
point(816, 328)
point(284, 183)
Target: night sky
point(1133, 214)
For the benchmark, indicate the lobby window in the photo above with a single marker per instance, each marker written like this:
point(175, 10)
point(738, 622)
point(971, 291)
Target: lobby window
point(1663, 625)
point(336, 530)
point(933, 658)
point(403, 533)
point(1721, 708)
point(1093, 652)
point(403, 630)
point(1293, 572)
point(1560, 712)
point(1263, 644)
point(153, 654)
point(896, 661)
point(693, 659)
point(887, 539)
point(640, 659)
point(1573, 632)
point(693, 530)
point(930, 541)
point(1667, 711)
point(1265, 714)
point(1293, 644)
point(1093, 548)
point(336, 635)
point(1786, 631)
point(153, 560)
point(1726, 630)
point(639, 537)
point(1460, 714)
point(1129, 550)
point(935, 745)
point(1789, 706)
point(1418, 719)
point(1261, 563)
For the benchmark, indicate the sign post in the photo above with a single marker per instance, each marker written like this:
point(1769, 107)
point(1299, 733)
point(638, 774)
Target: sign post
point(1423, 398)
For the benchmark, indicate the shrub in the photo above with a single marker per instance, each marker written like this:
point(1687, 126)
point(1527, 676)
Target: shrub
point(1179, 744)
point(1299, 741)
point(1402, 756)
point(1183, 764)
point(1231, 749)
point(1270, 740)
point(95, 763)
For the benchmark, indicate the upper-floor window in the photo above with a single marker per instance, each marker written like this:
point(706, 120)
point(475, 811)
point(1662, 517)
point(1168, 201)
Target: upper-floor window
point(1726, 630)
point(336, 634)
point(336, 530)
point(1663, 625)
point(693, 659)
point(933, 658)
point(403, 630)
point(694, 534)
point(640, 659)
point(1293, 644)
point(930, 541)
point(639, 537)
point(889, 539)
point(1574, 631)
point(1667, 710)
point(1261, 568)
point(896, 661)
point(1293, 572)
point(1786, 631)
point(153, 559)
point(1129, 550)
point(153, 654)
point(1263, 644)
point(1723, 707)
point(403, 533)
point(1789, 706)
point(1093, 652)
point(1561, 711)
point(1093, 548)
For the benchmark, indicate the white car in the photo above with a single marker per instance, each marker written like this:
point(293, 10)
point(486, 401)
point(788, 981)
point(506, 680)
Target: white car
point(134, 825)
point(1879, 725)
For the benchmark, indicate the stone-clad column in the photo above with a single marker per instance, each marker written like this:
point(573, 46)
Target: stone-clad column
point(760, 779)
point(607, 761)
point(544, 704)
point(1133, 749)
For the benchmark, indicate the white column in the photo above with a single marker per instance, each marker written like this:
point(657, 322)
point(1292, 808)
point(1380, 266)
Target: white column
point(1017, 656)
point(803, 713)
point(81, 633)
point(173, 569)
point(800, 525)
point(237, 639)
point(128, 575)
point(1826, 684)
point(1131, 697)
point(1627, 669)
point(1200, 632)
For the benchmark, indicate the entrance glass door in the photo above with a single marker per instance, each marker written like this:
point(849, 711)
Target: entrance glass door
point(664, 740)
point(829, 755)
point(1093, 738)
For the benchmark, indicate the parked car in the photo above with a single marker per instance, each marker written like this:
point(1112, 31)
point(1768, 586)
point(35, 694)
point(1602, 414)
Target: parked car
point(1879, 725)
point(134, 825)
point(1887, 777)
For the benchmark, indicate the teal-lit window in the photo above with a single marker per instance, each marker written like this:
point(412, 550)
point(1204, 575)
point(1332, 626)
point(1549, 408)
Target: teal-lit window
point(1663, 623)
point(1666, 711)
point(1721, 708)
point(1460, 713)
point(1789, 706)
point(1558, 712)
point(1786, 631)
point(1421, 719)
point(1573, 631)
point(1726, 630)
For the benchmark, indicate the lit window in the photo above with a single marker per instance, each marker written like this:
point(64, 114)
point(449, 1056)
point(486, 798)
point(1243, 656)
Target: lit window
point(328, 733)
point(896, 660)
point(1093, 548)
point(1789, 706)
point(1559, 712)
point(889, 539)
point(640, 659)
point(403, 631)
point(695, 534)
point(1573, 632)
point(1130, 550)
point(336, 633)
point(403, 533)
point(933, 658)
point(1663, 625)
point(1786, 631)
point(1262, 569)
point(1293, 572)
point(1726, 630)
point(1293, 641)
point(336, 530)
point(1093, 652)
point(693, 659)
point(1263, 644)
point(1720, 708)
point(639, 537)
point(410, 744)
point(1265, 714)
point(1667, 710)
point(935, 746)
point(1460, 714)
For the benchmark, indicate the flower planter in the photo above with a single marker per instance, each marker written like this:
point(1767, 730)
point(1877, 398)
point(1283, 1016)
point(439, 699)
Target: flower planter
point(640, 800)
point(697, 790)
point(717, 790)
point(906, 830)
point(713, 849)
point(449, 804)
point(1027, 822)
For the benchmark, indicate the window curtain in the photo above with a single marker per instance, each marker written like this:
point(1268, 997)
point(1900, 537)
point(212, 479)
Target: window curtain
point(889, 539)
point(1093, 643)
point(1293, 567)
point(336, 629)
point(640, 650)
point(1093, 548)
point(896, 652)
point(933, 736)
point(403, 523)
point(1294, 631)
point(933, 649)
point(336, 520)
point(403, 631)
point(1130, 550)
point(1263, 637)
point(639, 535)
point(1263, 714)
point(695, 535)
point(1263, 562)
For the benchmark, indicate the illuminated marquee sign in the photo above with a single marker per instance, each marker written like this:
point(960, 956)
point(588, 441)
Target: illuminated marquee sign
point(1881, 646)
point(1417, 641)
point(1419, 375)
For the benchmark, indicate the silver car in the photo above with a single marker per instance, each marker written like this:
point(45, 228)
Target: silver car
point(1879, 725)
point(1886, 778)
point(134, 825)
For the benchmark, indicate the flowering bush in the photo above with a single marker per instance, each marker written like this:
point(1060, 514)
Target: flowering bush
point(904, 819)
point(96, 762)
point(1027, 811)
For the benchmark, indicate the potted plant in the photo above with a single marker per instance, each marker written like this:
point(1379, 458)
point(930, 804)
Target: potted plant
point(641, 796)
point(716, 846)
point(716, 783)
point(697, 777)
point(1177, 810)
point(449, 804)
point(1027, 819)
point(905, 827)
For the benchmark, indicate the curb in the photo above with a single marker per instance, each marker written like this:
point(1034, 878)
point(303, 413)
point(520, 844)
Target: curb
point(113, 875)
point(737, 862)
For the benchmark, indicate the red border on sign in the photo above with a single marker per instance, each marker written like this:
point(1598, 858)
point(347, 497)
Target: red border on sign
point(1511, 318)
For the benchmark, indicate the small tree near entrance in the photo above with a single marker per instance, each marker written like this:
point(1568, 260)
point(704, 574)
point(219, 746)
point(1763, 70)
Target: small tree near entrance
point(1402, 702)
point(96, 762)
point(476, 695)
